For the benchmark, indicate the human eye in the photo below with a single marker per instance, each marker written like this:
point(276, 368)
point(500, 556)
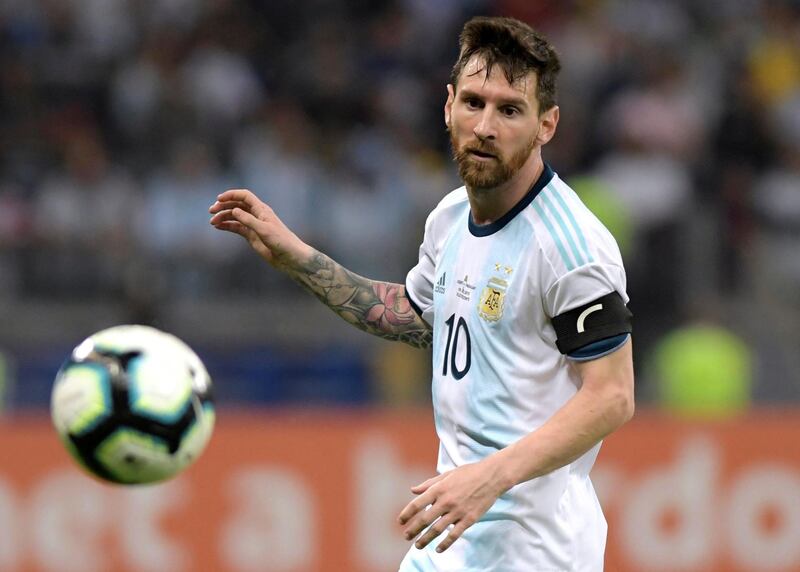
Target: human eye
point(509, 111)
point(472, 102)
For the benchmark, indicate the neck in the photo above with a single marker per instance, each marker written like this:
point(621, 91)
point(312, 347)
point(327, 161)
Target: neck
point(489, 204)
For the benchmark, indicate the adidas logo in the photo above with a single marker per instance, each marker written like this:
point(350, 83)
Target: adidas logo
point(441, 283)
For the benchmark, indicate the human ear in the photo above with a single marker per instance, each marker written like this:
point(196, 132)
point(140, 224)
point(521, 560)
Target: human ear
point(548, 121)
point(448, 106)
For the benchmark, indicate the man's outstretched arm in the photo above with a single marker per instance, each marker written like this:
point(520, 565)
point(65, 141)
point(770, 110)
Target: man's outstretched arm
point(379, 308)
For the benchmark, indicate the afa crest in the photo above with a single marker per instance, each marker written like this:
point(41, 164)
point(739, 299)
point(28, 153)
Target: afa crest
point(490, 307)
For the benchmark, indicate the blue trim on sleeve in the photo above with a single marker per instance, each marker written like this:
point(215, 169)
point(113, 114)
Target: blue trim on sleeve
point(599, 348)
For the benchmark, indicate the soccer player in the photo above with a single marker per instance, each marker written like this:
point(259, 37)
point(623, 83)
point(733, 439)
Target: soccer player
point(520, 290)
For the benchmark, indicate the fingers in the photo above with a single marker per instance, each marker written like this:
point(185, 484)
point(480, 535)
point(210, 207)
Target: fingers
point(242, 196)
point(226, 220)
point(435, 530)
point(243, 199)
point(457, 525)
point(221, 216)
point(422, 511)
point(423, 486)
point(422, 520)
point(243, 206)
point(437, 520)
point(415, 506)
point(435, 511)
point(246, 219)
point(234, 227)
point(455, 534)
point(225, 206)
point(238, 215)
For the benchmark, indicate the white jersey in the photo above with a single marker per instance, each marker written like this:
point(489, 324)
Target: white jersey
point(490, 293)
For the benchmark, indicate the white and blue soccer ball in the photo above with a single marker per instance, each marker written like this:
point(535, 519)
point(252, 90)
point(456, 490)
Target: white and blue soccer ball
point(133, 405)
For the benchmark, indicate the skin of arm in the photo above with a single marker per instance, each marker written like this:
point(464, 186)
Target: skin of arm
point(461, 496)
point(379, 308)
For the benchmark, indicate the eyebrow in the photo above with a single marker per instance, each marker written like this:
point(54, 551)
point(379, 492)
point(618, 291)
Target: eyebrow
point(518, 101)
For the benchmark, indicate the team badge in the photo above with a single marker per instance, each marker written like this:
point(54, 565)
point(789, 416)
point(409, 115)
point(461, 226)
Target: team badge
point(490, 307)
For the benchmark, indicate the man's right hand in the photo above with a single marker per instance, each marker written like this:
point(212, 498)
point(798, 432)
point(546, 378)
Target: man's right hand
point(241, 212)
point(380, 308)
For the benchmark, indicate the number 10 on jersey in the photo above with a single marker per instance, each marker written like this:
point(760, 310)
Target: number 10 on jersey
point(457, 332)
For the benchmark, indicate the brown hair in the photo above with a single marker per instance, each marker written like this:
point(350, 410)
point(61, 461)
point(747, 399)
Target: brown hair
point(516, 47)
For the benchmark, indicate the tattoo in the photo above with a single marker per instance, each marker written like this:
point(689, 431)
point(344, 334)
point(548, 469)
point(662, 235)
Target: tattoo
point(379, 308)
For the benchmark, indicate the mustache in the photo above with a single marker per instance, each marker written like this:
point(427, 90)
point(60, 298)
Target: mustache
point(485, 148)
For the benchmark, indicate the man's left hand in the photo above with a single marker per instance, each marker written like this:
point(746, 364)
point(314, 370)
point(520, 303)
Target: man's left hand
point(458, 497)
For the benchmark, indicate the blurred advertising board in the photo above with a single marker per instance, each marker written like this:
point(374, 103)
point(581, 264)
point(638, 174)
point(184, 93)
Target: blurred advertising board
point(308, 491)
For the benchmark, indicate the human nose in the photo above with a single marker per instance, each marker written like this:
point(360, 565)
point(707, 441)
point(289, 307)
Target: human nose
point(485, 128)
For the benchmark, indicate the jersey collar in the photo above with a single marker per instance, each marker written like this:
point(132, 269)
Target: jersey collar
point(493, 227)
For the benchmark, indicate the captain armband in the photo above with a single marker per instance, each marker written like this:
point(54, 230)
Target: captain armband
point(579, 331)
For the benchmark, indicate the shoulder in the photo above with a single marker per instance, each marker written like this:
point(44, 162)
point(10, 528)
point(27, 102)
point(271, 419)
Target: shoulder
point(568, 234)
point(450, 208)
point(454, 200)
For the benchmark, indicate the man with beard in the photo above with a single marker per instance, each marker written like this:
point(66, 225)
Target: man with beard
point(521, 293)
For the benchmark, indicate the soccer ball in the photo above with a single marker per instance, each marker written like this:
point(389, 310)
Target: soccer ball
point(133, 405)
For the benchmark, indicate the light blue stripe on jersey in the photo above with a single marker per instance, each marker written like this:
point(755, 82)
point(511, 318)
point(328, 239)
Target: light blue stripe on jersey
point(559, 244)
point(450, 253)
point(573, 222)
point(493, 356)
point(483, 397)
point(492, 385)
point(562, 225)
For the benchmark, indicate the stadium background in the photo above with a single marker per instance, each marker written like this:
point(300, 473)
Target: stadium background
point(121, 121)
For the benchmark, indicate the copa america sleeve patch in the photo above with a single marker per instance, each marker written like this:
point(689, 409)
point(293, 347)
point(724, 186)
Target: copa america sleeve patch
point(600, 319)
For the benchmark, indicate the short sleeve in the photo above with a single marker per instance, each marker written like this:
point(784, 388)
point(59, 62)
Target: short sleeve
point(588, 311)
point(583, 285)
point(580, 276)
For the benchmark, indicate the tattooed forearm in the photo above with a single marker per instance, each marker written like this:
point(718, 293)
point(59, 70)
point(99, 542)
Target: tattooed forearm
point(378, 308)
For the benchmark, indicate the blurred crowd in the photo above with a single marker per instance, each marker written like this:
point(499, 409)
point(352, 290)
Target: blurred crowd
point(121, 121)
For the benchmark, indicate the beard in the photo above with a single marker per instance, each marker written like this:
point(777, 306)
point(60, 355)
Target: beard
point(487, 174)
